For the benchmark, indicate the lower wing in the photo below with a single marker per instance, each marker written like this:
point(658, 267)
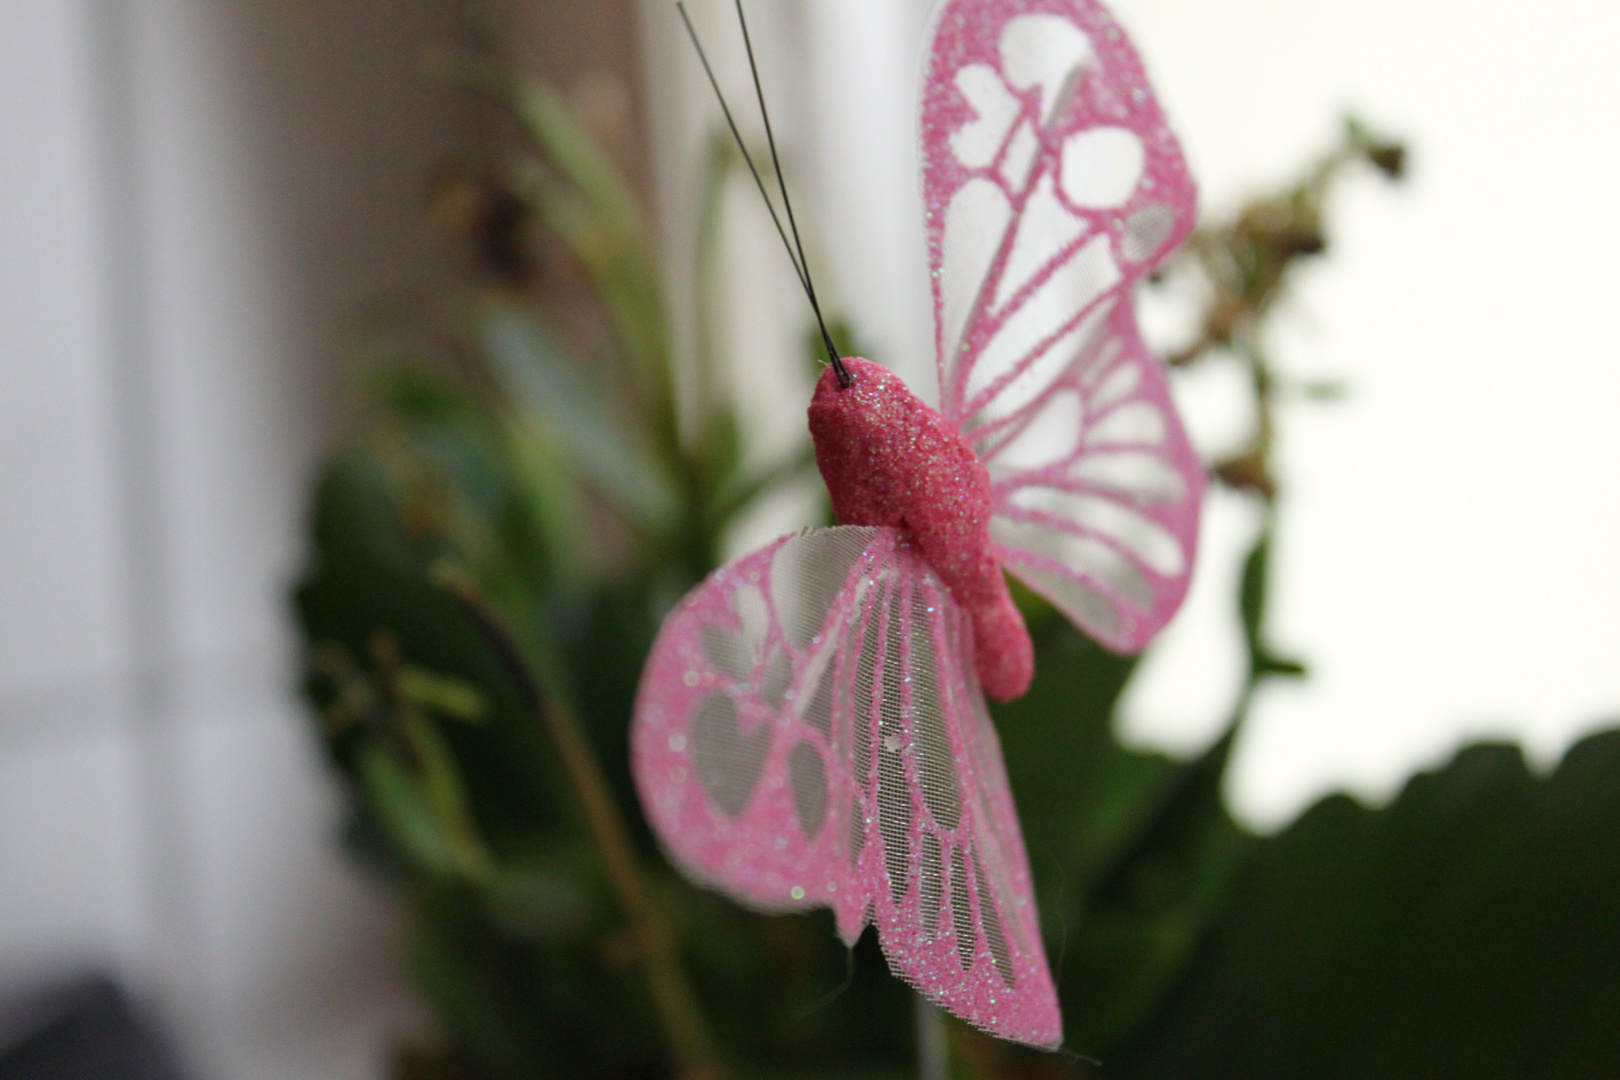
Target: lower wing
point(1097, 490)
point(808, 733)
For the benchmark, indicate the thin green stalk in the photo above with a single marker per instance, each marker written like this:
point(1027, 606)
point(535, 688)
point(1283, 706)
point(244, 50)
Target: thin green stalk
point(684, 1023)
point(685, 1026)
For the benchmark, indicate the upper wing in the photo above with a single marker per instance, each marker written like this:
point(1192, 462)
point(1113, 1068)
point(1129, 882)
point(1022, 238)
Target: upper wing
point(1053, 185)
point(808, 733)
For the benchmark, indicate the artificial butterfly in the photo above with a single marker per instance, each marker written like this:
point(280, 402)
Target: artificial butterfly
point(811, 727)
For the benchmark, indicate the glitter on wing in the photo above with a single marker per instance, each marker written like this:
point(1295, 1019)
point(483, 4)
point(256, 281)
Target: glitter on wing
point(869, 780)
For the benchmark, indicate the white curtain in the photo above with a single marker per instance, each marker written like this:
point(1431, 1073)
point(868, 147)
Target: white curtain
point(194, 197)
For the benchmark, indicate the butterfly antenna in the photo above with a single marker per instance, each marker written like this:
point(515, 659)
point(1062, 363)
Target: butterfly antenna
point(800, 266)
point(787, 203)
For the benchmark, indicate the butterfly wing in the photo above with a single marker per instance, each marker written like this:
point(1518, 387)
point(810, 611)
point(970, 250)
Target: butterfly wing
point(1053, 186)
point(741, 768)
point(808, 733)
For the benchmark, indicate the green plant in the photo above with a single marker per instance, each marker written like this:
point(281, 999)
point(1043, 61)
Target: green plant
point(491, 559)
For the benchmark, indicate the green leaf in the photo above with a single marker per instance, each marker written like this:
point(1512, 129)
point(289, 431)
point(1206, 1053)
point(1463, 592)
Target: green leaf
point(1131, 851)
point(542, 905)
point(1128, 849)
point(1252, 590)
point(542, 382)
point(571, 150)
point(453, 487)
point(1471, 929)
point(366, 580)
point(420, 397)
point(1263, 662)
point(398, 804)
point(1281, 667)
point(1142, 922)
point(352, 516)
point(446, 797)
point(584, 200)
point(454, 698)
point(551, 500)
point(1080, 794)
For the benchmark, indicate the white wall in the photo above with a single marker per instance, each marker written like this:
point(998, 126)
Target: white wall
point(1445, 556)
point(69, 883)
point(196, 200)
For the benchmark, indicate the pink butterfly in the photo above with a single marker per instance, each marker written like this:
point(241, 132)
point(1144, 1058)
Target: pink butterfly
point(810, 728)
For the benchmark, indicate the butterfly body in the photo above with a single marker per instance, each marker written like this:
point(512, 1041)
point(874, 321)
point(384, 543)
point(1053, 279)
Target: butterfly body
point(890, 460)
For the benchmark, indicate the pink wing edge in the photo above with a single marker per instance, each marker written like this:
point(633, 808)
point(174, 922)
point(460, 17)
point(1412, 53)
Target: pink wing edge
point(967, 32)
point(955, 912)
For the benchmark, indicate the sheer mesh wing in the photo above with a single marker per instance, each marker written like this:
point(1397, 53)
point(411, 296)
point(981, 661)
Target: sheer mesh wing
point(1054, 186)
point(949, 881)
point(742, 771)
point(859, 772)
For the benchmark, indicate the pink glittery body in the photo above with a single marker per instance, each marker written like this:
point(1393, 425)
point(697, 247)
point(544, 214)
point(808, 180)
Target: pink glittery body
point(890, 460)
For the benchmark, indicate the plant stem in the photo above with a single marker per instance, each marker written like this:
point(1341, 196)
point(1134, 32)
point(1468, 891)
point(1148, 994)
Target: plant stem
point(678, 1011)
point(677, 1006)
point(933, 1054)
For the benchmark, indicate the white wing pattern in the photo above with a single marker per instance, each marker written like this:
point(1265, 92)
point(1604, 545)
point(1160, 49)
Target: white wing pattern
point(810, 732)
point(1053, 185)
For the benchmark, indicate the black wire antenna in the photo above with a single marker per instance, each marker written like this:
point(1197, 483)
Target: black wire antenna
point(795, 247)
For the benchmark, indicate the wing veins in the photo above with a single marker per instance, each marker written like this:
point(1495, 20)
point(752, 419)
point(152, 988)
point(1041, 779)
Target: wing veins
point(1056, 476)
point(1074, 528)
point(1054, 566)
point(963, 367)
point(984, 397)
point(1003, 430)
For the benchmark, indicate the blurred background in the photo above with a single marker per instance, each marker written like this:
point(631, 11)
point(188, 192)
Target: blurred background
point(203, 205)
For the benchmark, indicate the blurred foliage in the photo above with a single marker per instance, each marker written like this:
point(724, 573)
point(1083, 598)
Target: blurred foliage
point(1469, 929)
point(491, 559)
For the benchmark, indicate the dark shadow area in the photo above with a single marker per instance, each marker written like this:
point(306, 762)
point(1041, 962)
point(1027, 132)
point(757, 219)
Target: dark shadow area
point(85, 1030)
